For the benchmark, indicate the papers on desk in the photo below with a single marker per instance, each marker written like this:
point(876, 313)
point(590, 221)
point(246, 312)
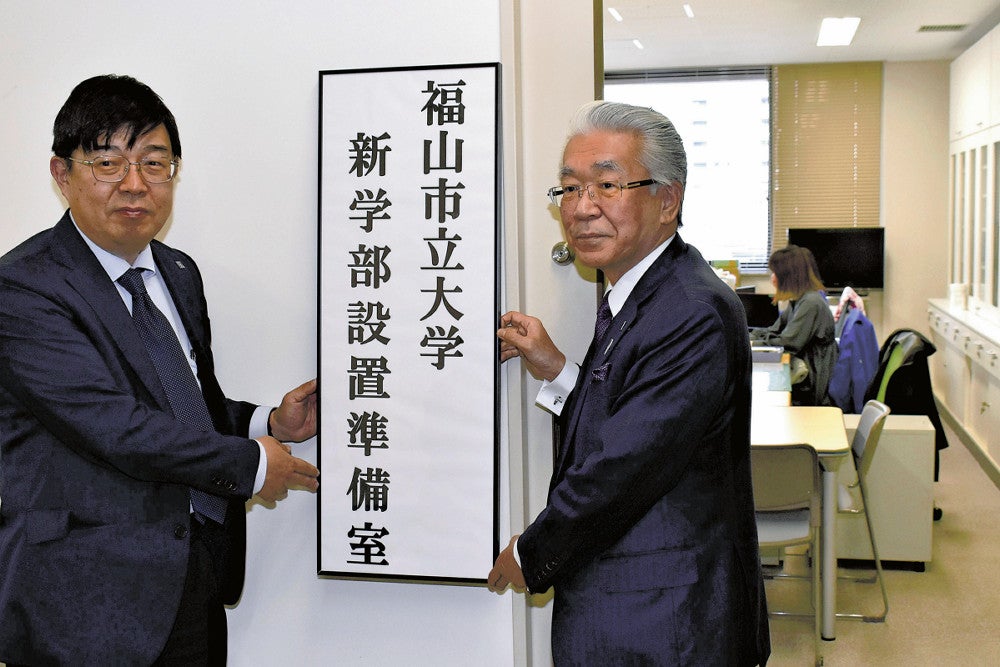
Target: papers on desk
point(770, 380)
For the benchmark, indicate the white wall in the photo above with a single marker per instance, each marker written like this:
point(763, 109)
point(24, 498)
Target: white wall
point(555, 77)
point(914, 191)
point(242, 80)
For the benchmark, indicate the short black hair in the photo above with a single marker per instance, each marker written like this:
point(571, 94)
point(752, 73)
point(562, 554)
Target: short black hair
point(104, 105)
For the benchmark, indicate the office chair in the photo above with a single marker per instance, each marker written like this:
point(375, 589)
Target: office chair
point(863, 448)
point(786, 489)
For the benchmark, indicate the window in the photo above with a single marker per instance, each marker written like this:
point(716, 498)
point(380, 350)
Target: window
point(803, 150)
point(726, 200)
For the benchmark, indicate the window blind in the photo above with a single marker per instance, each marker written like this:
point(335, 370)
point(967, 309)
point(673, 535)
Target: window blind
point(825, 146)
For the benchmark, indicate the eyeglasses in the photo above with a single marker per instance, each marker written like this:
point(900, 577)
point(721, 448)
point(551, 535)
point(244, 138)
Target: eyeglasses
point(601, 191)
point(114, 168)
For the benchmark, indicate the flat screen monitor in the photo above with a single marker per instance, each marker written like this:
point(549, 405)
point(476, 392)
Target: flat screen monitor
point(846, 256)
point(759, 309)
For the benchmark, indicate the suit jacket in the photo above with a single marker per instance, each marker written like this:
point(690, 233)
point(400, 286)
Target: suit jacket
point(95, 470)
point(857, 361)
point(649, 536)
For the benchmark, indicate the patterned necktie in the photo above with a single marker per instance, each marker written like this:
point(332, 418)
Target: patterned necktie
point(603, 320)
point(175, 374)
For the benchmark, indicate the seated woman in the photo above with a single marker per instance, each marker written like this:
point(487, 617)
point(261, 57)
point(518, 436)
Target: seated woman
point(805, 327)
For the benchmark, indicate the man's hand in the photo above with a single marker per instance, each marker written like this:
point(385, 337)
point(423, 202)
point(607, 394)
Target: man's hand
point(506, 571)
point(285, 471)
point(295, 419)
point(524, 336)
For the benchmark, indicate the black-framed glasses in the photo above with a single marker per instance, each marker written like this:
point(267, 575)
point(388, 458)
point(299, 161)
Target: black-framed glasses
point(114, 168)
point(567, 195)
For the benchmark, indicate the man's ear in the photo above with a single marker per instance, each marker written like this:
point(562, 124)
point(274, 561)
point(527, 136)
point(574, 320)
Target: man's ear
point(59, 169)
point(671, 201)
point(60, 172)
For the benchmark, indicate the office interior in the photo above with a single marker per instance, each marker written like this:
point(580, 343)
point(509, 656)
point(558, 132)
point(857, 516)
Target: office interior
point(242, 82)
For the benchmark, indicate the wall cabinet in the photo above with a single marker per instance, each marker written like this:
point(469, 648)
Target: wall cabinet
point(983, 418)
point(974, 157)
point(965, 373)
point(970, 89)
point(950, 367)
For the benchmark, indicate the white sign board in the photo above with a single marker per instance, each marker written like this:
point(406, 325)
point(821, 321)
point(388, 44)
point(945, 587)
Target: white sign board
point(408, 307)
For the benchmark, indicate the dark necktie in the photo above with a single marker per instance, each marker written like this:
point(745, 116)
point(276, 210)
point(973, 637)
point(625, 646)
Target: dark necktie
point(175, 374)
point(603, 320)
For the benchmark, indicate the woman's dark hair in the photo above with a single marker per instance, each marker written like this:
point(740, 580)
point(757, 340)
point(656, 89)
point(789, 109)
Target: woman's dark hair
point(795, 271)
point(102, 106)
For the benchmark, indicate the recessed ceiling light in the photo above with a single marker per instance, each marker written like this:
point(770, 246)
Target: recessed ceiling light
point(838, 31)
point(614, 14)
point(638, 44)
point(689, 11)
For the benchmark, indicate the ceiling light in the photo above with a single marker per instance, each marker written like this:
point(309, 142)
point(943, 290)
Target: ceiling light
point(638, 44)
point(837, 32)
point(689, 11)
point(614, 14)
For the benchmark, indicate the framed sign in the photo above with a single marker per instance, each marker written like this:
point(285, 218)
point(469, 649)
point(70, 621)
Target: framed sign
point(408, 306)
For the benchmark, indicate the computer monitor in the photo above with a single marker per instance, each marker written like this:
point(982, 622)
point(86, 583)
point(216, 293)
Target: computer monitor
point(846, 256)
point(761, 312)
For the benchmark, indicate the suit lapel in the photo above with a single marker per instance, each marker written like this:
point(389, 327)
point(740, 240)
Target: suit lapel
point(600, 358)
point(85, 275)
point(180, 283)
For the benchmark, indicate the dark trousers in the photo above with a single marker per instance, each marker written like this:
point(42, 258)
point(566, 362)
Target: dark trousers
point(199, 635)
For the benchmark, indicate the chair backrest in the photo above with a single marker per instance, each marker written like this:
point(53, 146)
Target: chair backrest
point(785, 477)
point(867, 435)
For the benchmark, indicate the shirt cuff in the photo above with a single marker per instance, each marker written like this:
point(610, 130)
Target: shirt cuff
point(258, 482)
point(258, 428)
point(258, 421)
point(517, 556)
point(552, 395)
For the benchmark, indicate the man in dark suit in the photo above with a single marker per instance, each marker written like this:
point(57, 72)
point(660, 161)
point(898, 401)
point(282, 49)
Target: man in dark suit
point(648, 535)
point(122, 523)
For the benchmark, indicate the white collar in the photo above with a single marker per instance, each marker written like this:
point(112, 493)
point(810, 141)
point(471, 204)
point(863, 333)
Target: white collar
point(114, 265)
point(621, 290)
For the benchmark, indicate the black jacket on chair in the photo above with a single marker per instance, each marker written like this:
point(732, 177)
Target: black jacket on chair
point(908, 391)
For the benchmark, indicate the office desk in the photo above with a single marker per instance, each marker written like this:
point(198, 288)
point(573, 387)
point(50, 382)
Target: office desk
point(771, 379)
point(822, 429)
